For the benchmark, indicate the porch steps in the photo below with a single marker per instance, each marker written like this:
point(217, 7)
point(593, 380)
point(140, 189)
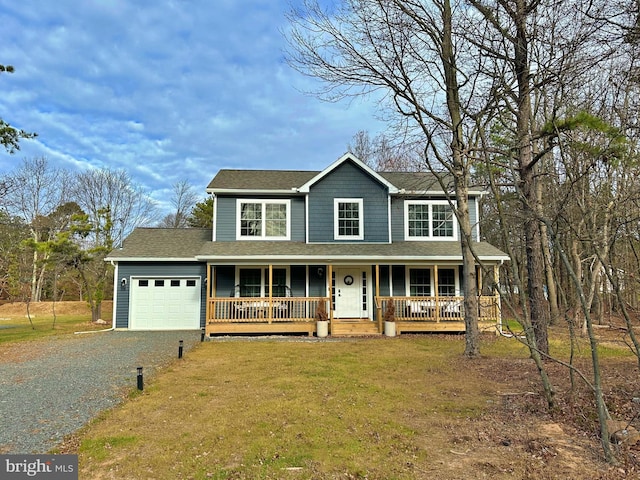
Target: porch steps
point(355, 327)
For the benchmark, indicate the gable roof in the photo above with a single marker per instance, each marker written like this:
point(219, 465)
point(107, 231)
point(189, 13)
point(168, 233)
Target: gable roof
point(294, 181)
point(348, 157)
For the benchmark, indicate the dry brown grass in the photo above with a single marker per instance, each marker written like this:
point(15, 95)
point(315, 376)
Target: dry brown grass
point(405, 408)
point(19, 309)
point(70, 317)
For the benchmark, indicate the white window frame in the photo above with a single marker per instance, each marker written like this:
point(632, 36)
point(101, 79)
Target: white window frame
point(430, 237)
point(263, 203)
point(336, 224)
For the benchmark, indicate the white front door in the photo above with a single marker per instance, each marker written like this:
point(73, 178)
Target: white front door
point(351, 295)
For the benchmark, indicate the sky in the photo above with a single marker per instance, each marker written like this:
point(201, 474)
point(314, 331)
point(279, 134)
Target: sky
point(168, 90)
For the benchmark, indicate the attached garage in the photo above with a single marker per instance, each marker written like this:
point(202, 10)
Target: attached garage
point(167, 303)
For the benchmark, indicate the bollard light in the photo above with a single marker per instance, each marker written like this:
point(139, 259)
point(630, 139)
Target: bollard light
point(180, 347)
point(202, 333)
point(140, 379)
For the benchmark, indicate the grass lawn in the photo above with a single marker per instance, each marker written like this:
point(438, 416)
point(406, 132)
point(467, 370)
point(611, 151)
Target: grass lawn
point(71, 317)
point(403, 408)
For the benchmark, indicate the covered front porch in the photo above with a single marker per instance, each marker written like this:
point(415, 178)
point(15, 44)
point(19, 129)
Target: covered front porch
point(277, 299)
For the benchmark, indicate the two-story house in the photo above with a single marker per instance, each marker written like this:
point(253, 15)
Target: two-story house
point(284, 242)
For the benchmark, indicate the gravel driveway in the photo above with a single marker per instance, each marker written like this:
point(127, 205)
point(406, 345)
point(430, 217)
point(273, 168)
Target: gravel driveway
point(51, 388)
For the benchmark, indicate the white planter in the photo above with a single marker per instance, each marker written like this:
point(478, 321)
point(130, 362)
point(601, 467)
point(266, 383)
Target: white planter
point(390, 329)
point(322, 328)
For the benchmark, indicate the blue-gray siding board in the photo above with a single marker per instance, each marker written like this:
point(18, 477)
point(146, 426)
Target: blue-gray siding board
point(348, 181)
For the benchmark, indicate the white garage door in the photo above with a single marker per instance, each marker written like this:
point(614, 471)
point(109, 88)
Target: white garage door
point(165, 304)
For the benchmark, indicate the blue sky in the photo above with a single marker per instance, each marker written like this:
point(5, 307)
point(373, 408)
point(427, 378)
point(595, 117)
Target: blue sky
point(165, 89)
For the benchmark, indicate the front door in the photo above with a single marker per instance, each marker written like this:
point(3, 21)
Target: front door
point(350, 293)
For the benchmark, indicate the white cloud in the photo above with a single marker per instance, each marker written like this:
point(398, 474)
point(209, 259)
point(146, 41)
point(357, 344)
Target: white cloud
point(167, 90)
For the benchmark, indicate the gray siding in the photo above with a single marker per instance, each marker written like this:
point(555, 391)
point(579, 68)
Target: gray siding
point(225, 280)
point(348, 181)
point(384, 280)
point(298, 280)
point(167, 269)
point(397, 274)
point(226, 217)
point(317, 283)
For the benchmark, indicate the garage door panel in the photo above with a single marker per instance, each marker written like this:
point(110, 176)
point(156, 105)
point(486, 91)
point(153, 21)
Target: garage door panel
point(165, 304)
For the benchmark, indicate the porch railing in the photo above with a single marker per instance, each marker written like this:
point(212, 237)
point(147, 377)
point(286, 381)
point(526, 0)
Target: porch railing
point(263, 309)
point(438, 309)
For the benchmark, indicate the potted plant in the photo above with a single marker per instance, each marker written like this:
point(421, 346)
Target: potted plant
point(322, 320)
point(390, 319)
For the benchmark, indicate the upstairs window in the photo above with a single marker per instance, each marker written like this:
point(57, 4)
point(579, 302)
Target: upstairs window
point(429, 220)
point(348, 217)
point(263, 219)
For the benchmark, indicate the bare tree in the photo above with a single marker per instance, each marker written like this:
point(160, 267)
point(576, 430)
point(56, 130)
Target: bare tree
point(128, 203)
point(409, 51)
point(113, 206)
point(40, 190)
point(383, 155)
point(183, 201)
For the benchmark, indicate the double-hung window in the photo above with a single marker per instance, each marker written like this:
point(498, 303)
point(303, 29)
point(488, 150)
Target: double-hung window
point(263, 219)
point(419, 282)
point(254, 282)
point(348, 219)
point(429, 220)
point(421, 285)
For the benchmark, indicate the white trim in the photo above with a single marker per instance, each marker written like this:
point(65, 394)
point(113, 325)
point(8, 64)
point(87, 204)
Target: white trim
point(250, 191)
point(390, 232)
point(306, 218)
point(476, 201)
point(214, 220)
point(336, 222)
point(263, 202)
point(430, 237)
point(386, 259)
point(151, 259)
point(116, 282)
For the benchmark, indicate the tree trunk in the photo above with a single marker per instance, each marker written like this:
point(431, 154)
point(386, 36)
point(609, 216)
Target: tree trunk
point(460, 170)
point(528, 180)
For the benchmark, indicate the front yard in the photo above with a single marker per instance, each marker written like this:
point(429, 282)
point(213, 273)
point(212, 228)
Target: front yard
point(405, 408)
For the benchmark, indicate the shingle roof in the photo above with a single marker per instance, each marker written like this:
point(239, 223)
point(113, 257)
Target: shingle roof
point(260, 179)
point(288, 180)
point(167, 244)
point(163, 244)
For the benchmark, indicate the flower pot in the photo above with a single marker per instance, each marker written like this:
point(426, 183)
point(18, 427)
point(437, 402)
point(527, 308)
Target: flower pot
point(390, 329)
point(322, 328)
